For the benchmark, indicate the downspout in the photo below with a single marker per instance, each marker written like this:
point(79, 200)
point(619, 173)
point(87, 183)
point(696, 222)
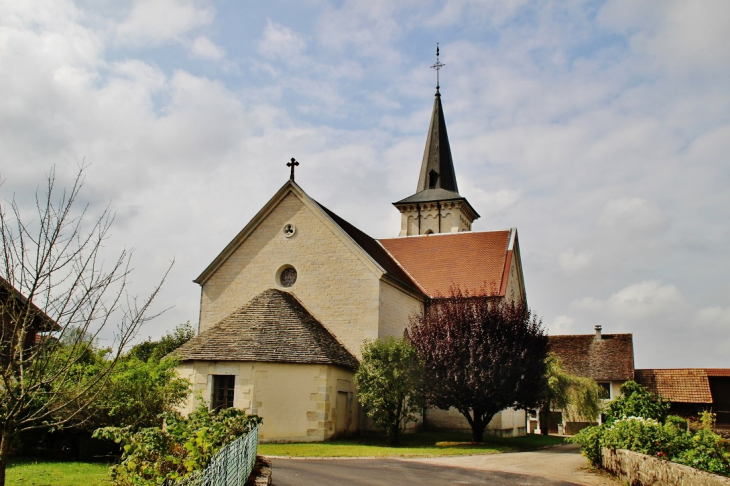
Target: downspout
point(439, 205)
point(418, 206)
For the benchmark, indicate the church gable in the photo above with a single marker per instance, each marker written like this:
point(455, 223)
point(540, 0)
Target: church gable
point(293, 244)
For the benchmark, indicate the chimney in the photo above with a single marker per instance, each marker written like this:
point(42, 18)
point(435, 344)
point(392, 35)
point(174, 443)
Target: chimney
point(598, 333)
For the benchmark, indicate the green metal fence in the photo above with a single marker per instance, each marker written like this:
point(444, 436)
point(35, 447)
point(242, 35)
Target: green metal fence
point(231, 466)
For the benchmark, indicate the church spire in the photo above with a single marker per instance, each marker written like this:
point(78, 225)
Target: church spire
point(437, 206)
point(437, 167)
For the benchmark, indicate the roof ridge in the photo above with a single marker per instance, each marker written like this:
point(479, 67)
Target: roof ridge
point(432, 235)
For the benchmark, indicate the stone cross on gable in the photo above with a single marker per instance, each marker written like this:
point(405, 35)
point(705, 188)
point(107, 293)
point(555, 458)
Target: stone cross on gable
point(292, 164)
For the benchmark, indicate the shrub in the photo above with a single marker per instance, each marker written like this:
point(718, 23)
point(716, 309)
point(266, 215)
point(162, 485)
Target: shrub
point(152, 455)
point(589, 439)
point(672, 441)
point(637, 401)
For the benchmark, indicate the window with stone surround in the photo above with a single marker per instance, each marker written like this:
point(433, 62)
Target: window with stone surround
point(223, 386)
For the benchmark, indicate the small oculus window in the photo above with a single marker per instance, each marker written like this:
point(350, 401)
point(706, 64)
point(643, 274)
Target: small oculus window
point(288, 276)
point(289, 230)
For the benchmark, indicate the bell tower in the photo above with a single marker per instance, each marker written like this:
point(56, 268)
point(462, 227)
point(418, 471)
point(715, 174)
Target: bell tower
point(437, 206)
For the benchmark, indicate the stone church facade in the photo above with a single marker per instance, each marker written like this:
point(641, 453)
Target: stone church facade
point(287, 305)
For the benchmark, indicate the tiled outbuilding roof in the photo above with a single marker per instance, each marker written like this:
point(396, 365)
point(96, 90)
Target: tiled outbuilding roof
point(677, 385)
point(473, 261)
point(609, 359)
point(272, 327)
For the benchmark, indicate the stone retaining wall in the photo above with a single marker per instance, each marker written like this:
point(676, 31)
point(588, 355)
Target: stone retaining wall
point(639, 469)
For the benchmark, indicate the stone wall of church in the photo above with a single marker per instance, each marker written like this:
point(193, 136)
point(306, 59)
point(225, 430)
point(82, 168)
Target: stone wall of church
point(298, 402)
point(396, 308)
point(333, 282)
point(507, 423)
point(514, 285)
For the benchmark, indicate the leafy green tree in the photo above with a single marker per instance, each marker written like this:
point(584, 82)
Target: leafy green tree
point(156, 350)
point(389, 382)
point(578, 397)
point(138, 391)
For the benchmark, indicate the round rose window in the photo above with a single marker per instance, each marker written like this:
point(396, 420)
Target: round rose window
point(288, 277)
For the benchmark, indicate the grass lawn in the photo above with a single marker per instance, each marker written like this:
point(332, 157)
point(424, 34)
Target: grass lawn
point(27, 473)
point(420, 444)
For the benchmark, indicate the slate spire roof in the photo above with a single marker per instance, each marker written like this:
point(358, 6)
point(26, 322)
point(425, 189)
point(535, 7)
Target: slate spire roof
point(437, 179)
point(272, 327)
point(437, 168)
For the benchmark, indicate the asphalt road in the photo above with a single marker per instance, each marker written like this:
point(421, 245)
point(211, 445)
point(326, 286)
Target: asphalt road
point(377, 472)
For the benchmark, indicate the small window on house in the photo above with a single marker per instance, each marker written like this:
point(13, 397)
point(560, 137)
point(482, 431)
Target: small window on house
point(605, 390)
point(223, 386)
point(433, 178)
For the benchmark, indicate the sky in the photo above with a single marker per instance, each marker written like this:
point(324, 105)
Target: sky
point(599, 129)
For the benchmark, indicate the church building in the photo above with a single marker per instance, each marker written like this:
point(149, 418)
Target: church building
point(287, 305)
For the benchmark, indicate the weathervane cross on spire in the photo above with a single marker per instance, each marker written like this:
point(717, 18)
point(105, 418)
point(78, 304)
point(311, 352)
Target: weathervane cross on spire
point(292, 164)
point(437, 66)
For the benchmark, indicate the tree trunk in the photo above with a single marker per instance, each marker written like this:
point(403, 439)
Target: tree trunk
point(394, 436)
point(477, 429)
point(4, 451)
point(545, 420)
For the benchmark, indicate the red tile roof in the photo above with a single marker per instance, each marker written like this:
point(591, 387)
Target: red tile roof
point(713, 372)
point(475, 261)
point(677, 385)
point(609, 359)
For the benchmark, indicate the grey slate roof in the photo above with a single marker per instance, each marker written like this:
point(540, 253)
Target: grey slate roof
point(609, 359)
point(272, 327)
point(427, 195)
point(374, 249)
point(437, 155)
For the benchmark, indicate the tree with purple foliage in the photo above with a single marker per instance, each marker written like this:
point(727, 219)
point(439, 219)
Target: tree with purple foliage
point(482, 354)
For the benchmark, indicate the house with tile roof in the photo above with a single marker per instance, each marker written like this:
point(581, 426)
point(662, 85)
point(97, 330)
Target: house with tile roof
point(16, 312)
point(691, 390)
point(288, 303)
point(606, 358)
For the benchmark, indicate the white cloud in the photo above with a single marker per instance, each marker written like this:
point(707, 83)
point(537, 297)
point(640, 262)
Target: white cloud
point(280, 41)
point(674, 34)
point(561, 325)
point(633, 215)
point(572, 260)
point(159, 21)
point(204, 48)
point(646, 300)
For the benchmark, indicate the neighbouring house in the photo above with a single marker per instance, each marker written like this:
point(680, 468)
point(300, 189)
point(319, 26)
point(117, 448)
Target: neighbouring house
point(287, 305)
point(14, 311)
point(691, 390)
point(607, 358)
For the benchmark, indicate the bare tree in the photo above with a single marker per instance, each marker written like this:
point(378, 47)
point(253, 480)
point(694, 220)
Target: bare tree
point(58, 293)
point(481, 355)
